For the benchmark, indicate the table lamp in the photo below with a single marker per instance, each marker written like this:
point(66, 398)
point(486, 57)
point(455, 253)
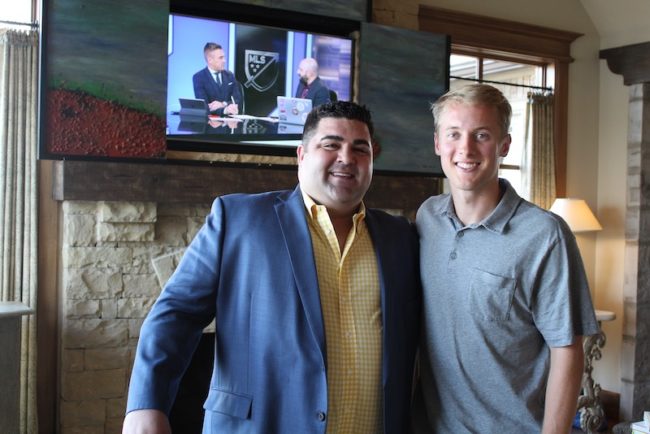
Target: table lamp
point(577, 214)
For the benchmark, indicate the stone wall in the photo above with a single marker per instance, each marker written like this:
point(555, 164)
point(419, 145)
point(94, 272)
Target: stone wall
point(114, 258)
point(635, 369)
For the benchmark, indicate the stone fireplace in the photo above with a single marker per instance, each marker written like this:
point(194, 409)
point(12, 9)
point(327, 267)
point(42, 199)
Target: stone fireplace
point(115, 255)
point(124, 226)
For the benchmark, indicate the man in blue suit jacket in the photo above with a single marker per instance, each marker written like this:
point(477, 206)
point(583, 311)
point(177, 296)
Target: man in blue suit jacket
point(257, 268)
point(216, 85)
point(310, 85)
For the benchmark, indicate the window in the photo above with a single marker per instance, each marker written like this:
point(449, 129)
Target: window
point(17, 14)
point(515, 80)
point(493, 39)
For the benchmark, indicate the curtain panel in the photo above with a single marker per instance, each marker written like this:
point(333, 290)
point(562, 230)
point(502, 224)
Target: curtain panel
point(540, 146)
point(18, 197)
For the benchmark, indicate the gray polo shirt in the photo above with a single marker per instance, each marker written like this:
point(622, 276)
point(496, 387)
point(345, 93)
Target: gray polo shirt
point(497, 295)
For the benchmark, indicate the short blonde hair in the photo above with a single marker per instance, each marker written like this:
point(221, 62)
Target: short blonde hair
point(475, 94)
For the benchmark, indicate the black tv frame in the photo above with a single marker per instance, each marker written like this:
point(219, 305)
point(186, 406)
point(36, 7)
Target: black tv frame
point(272, 145)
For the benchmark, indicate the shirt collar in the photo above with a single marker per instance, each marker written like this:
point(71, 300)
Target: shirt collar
point(313, 209)
point(498, 218)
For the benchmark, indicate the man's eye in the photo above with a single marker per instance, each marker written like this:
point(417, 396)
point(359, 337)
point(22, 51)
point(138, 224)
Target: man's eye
point(482, 136)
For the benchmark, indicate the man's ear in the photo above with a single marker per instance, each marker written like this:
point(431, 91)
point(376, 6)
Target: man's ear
point(300, 152)
point(435, 142)
point(505, 146)
point(376, 149)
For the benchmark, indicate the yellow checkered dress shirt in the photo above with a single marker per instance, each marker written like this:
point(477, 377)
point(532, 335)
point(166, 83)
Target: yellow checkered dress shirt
point(351, 304)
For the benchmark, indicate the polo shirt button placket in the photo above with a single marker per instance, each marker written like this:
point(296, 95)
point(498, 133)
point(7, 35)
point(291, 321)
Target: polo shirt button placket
point(321, 416)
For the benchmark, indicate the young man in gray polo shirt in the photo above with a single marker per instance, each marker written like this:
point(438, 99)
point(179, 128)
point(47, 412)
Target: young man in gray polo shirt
point(506, 300)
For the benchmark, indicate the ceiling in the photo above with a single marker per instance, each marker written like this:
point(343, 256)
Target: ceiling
point(620, 22)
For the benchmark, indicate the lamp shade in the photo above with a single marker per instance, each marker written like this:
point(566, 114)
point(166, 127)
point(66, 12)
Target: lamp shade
point(577, 214)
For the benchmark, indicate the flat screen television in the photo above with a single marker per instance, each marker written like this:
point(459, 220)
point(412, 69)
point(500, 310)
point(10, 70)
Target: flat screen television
point(264, 60)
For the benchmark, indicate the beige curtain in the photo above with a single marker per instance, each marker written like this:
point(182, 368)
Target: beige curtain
point(540, 149)
point(18, 197)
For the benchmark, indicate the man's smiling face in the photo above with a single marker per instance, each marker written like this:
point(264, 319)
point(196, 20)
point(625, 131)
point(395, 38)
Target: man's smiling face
point(470, 144)
point(335, 165)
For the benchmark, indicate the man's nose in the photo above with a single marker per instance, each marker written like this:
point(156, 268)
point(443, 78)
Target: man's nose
point(466, 144)
point(346, 155)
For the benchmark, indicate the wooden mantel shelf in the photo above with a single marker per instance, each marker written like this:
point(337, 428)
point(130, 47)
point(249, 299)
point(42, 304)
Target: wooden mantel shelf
point(183, 183)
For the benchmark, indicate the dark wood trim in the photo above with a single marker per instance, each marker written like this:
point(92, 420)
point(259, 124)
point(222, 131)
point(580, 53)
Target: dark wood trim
point(487, 36)
point(47, 311)
point(630, 61)
point(561, 126)
point(495, 34)
point(121, 181)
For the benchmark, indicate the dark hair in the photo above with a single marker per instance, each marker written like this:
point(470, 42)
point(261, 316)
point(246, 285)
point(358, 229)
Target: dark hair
point(337, 109)
point(211, 46)
point(479, 94)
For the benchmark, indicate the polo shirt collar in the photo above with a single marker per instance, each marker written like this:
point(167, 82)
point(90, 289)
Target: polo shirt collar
point(498, 218)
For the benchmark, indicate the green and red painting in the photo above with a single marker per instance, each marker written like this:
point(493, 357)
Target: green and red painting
point(104, 83)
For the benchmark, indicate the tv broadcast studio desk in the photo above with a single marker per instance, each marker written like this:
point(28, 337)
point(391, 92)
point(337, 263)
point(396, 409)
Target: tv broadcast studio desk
point(589, 405)
point(11, 314)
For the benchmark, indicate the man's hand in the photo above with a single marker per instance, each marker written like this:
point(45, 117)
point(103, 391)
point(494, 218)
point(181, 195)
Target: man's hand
point(146, 422)
point(231, 109)
point(216, 105)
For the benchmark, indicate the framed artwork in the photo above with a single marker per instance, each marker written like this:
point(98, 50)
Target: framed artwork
point(401, 73)
point(103, 79)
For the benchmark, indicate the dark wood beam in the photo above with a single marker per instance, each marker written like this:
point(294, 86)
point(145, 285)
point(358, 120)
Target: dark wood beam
point(630, 61)
point(182, 183)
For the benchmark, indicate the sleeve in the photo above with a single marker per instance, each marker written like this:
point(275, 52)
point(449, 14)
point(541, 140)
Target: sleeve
point(199, 90)
point(172, 330)
point(562, 305)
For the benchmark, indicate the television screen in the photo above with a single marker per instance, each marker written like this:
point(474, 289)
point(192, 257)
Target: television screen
point(258, 101)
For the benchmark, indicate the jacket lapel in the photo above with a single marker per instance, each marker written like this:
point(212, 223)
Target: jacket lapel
point(214, 84)
point(384, 268)
point(292, 221)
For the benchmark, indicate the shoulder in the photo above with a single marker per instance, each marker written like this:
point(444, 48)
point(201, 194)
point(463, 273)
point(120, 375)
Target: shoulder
point(320, 85)
point(531, 215)
point(385, 217)
point(388, 224)
point(433, 205)
point(253, 200)
point(199, 74)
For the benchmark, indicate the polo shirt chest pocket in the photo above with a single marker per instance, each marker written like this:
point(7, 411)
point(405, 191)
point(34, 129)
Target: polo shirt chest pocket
point(491, 296)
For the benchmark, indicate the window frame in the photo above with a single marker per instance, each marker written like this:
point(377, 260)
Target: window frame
point(479, 35)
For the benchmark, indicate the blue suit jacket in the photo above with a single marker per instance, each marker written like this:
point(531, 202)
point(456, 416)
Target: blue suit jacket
point(251, 267)
point(318, 93)
point(206, 88)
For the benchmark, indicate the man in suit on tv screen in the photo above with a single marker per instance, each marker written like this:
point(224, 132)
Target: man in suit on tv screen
point(316, 302)
point(216, 85)
point(310, 85)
